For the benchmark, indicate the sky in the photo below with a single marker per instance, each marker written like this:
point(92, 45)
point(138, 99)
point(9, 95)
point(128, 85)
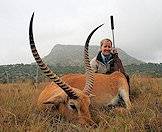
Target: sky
point(137, 29)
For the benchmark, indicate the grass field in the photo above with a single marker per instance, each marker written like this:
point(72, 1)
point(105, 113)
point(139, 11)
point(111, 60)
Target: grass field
point(18, 111)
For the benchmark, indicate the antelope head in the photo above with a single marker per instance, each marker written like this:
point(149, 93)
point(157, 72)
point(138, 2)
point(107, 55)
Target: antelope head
point(70, 101)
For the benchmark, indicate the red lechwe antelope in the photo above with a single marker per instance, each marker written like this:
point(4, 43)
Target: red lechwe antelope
point(72, 93)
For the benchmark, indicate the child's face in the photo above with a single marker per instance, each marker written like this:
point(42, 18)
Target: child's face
point(106, 47)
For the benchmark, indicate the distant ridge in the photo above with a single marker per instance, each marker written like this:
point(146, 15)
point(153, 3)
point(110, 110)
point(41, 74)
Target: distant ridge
point(72, 55)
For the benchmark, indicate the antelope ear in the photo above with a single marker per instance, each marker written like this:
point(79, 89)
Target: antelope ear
point(57, 99)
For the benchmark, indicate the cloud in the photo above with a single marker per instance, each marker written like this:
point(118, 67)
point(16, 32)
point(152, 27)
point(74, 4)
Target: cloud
point(137, 26)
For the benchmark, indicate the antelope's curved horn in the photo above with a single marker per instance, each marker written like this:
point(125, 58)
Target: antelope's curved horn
point(89, 72)
point(68, 90)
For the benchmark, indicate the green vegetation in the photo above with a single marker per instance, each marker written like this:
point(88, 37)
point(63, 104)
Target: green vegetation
point(23, 72)
point(151, 69)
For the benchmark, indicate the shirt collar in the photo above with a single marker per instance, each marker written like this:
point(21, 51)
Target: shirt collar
point(103, 57)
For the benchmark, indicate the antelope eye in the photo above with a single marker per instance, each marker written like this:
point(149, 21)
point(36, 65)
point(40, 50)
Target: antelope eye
point(73, 107)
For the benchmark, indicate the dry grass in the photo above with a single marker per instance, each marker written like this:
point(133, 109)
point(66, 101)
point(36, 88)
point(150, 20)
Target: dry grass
point(18, 111)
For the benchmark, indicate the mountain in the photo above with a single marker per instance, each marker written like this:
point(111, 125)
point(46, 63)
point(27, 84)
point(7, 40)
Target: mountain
point(72, 55)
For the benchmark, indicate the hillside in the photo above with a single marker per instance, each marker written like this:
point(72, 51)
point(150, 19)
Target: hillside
point(72, 55)
point(12, 73)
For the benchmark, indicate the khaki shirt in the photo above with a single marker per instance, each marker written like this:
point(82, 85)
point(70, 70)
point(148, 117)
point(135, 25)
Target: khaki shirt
point(99, 67)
